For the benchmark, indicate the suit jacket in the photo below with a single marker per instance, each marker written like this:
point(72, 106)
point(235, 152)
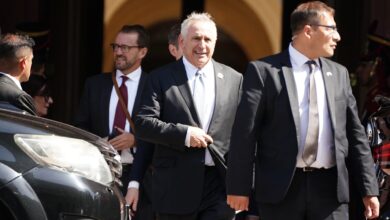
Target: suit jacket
point(93, 114)
point(11, 93)
point(166, 111)
point(268, 119)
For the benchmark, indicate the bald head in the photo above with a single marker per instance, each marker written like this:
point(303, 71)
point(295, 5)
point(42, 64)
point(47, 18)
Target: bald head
point(16, 55)
point(12, 48)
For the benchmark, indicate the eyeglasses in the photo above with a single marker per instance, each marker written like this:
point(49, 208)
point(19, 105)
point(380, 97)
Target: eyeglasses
point(45, 93)
point(45, 97)
point(124, 48)
point(332, 27)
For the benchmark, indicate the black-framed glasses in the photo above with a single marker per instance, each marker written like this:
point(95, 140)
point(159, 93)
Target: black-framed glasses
point(332, 27)
point(45, 93)
point(45, 97)
point(123, 47)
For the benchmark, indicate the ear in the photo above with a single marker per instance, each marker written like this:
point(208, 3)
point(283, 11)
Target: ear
point(172, 50)
point(22, 63)
point(180, 39)
point(142, 53)
point(307, 31)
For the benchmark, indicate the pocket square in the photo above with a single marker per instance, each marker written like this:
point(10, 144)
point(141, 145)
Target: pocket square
point(328, 73)
point(220, 75)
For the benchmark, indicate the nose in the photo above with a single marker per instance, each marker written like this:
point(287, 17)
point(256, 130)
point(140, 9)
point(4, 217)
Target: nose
point(202, 43)
point(50, 101)
point(118, 51)
point(336, 36)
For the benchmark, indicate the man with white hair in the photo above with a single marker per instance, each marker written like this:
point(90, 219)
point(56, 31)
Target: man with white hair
point(187, 110)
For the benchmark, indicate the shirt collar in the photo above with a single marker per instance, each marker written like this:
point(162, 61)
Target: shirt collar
point(13, 79)
point(297, 58)
point(133, 76)
point(207, 70)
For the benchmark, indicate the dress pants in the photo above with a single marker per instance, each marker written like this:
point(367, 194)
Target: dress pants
point(312, 195)
point(144, 207)
point(213, 204)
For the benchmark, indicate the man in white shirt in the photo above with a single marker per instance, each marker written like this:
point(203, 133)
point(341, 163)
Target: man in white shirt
point(298, 114)
point(187, 111)
point(101, 111)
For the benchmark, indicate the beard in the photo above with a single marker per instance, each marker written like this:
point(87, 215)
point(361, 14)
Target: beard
point(122, 63)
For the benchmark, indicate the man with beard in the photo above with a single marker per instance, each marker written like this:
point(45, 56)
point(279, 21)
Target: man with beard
point(102, 112)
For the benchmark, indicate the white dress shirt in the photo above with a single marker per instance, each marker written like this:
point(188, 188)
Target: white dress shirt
point(132, 87)
point(325, 152)
point(209, 100)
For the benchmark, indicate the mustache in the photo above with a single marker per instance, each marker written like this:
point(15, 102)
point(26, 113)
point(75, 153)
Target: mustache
point(120, 56)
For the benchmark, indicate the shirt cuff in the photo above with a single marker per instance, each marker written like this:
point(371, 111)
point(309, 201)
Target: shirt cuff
point(187, 140)
point(133, 184)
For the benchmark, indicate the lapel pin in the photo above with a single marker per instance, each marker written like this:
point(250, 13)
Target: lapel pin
point(220, 75)
point(328, 73)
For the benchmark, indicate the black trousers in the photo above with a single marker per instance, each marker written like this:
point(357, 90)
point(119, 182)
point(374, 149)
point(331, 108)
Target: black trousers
point(144, 207)
point(312, 196)
point(213, 204)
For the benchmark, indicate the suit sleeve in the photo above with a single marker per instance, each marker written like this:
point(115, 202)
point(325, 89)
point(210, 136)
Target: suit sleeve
point(243, 140)
point(360, 158)
point(26, 103)
point(149, 123)
point(142, 160)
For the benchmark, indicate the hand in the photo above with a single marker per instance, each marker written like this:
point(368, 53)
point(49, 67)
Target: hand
point(238, 202)
point(371, 204)
point(199, 138)
point(131, 198)
point(123, 141)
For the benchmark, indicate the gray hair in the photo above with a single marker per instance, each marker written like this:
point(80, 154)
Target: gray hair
point(195, 16)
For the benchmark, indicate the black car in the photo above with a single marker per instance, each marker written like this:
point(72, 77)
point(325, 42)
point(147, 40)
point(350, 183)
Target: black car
point(50, 170)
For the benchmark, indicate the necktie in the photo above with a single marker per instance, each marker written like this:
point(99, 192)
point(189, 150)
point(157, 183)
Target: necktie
point(120, 116)
point(199, 93)
point(311, 143)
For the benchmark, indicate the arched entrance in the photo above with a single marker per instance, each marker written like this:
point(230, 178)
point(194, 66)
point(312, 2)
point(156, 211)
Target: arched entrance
point(247, 29)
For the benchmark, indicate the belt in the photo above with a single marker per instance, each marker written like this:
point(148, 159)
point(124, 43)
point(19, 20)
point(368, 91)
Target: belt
point(312, 169)
point(309, 169)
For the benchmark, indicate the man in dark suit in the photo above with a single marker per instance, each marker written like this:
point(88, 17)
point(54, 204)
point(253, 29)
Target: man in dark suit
point(100, 107)
point(141, 170)
point(187, 110)
point(286, 105)
point(15, 66)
